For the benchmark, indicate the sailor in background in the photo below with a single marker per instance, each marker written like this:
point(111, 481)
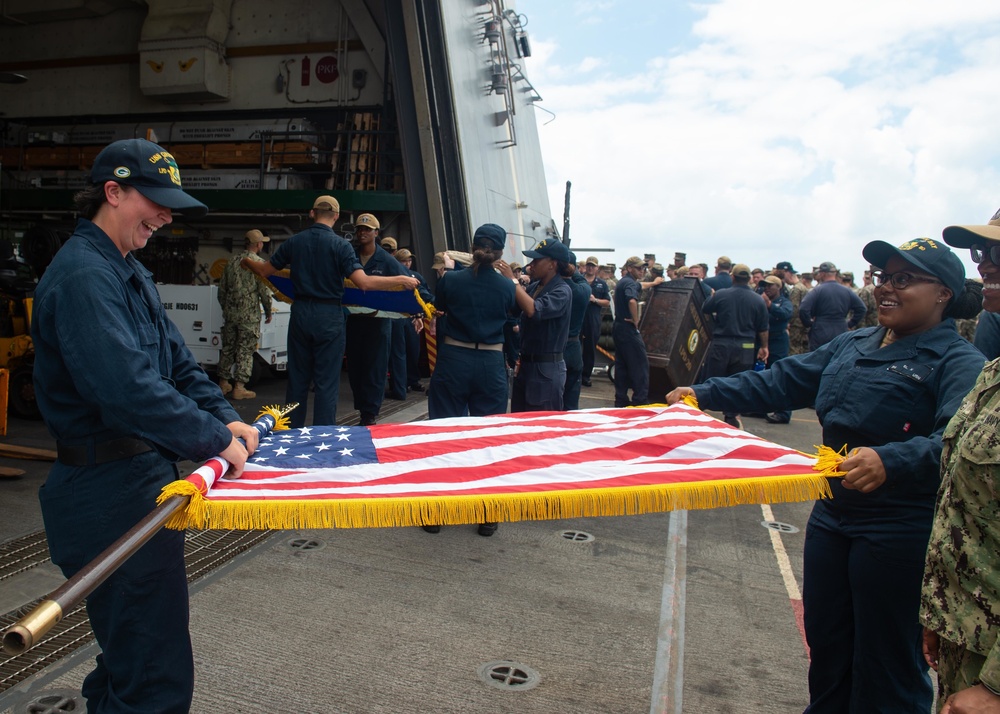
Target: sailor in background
point(545, 313)
point(368, 337)
point(470, 377)
point(395, 387)
point(590, 333)
point(411, 333)
point(631, 363)
point(242, 296)
point(573, 352)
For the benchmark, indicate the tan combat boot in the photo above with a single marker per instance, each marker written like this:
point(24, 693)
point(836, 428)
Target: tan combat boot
point(241, 392)
point(225, 386)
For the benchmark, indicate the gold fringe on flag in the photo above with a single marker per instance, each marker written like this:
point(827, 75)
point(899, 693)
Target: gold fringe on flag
point(455, 510)
point(828, 461)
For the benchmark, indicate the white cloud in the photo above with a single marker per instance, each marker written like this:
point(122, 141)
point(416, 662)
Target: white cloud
point(787, 130)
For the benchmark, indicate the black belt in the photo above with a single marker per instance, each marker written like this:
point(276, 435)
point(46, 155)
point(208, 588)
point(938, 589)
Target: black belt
point(550, 357)
point(101, 453)
point(573, 338)
point(320, 301)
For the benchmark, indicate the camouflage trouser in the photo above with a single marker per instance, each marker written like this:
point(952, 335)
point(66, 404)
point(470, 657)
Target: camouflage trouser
point(958, 669)
point(239, 343)
point(798, 340)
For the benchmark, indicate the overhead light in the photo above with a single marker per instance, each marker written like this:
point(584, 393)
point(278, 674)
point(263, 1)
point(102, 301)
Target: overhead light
point(499, 84)
point(492, 29)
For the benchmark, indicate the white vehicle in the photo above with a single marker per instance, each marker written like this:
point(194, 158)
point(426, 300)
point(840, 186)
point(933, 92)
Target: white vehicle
point(196, 311)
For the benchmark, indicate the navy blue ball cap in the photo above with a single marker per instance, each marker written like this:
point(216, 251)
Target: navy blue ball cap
point(149, 169)
point(549, 248)
point(491, 233)
point(931, 256)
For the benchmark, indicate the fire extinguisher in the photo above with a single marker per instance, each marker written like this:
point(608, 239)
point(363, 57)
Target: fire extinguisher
point(306, 71)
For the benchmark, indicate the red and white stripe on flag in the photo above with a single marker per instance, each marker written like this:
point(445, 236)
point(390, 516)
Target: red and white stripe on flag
point(507, 467)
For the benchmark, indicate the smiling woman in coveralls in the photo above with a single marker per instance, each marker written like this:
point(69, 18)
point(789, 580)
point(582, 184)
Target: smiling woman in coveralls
point(125, 400)
point(887, 393)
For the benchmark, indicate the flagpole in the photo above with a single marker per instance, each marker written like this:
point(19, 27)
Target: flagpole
point(28, 631)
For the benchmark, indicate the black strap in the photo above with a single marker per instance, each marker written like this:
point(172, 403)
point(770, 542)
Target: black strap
point(550, 357)
point(101, 453)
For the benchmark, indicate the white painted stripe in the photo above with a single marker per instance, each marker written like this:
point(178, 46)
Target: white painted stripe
point(784, 564)
point(668, 670)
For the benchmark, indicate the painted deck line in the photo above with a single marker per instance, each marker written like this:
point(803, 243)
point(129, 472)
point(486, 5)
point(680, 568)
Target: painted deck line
point(668, 669)
point(787, 576)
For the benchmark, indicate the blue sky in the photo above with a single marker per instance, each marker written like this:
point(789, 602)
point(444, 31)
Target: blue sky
point(766, 130)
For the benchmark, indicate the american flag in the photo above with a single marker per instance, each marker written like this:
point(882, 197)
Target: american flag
point(505, 467)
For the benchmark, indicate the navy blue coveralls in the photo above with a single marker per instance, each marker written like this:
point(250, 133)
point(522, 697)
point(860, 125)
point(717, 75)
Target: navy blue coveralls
point(320, 260)
point(864, 553)
point(778, 316)
point(109, 365)
point(824, 310)
point(470, 376)
point(538, 384)
point(404, 347)
point(368, 340)
point(987, 337)
point(740, 315)
point(413, 338)
point(590, 333)
point(573, 354)
point(631, 363)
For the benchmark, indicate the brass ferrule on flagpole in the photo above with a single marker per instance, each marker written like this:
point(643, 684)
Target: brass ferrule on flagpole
point(29, 630)
point(26, 632)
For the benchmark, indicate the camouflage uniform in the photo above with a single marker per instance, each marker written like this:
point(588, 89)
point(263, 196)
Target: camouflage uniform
point(798, 335)
point(961, 591)
point(867, 295)
point(967, 328)
point(241, 296)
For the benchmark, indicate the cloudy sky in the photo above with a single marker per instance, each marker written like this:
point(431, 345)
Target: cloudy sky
point(766, 130)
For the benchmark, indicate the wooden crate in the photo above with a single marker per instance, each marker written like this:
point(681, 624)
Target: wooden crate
point(236, 154)
point(87, 156)
point(10, 157)
point(292, 154)
point(52, 157)
point(188, 155)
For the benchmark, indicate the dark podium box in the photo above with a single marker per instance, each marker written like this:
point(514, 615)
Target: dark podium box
point(676, 334)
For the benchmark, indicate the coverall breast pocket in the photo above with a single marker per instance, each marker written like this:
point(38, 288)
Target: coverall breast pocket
point(149, 340)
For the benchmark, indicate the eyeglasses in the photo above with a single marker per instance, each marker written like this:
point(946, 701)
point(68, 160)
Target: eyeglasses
point(981, 252)
point(900, 280)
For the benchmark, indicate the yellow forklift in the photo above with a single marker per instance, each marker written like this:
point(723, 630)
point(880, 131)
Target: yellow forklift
point(18, 277)
point(17, 354)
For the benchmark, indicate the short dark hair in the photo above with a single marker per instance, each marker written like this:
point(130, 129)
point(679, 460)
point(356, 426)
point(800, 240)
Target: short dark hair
point(89, 200)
